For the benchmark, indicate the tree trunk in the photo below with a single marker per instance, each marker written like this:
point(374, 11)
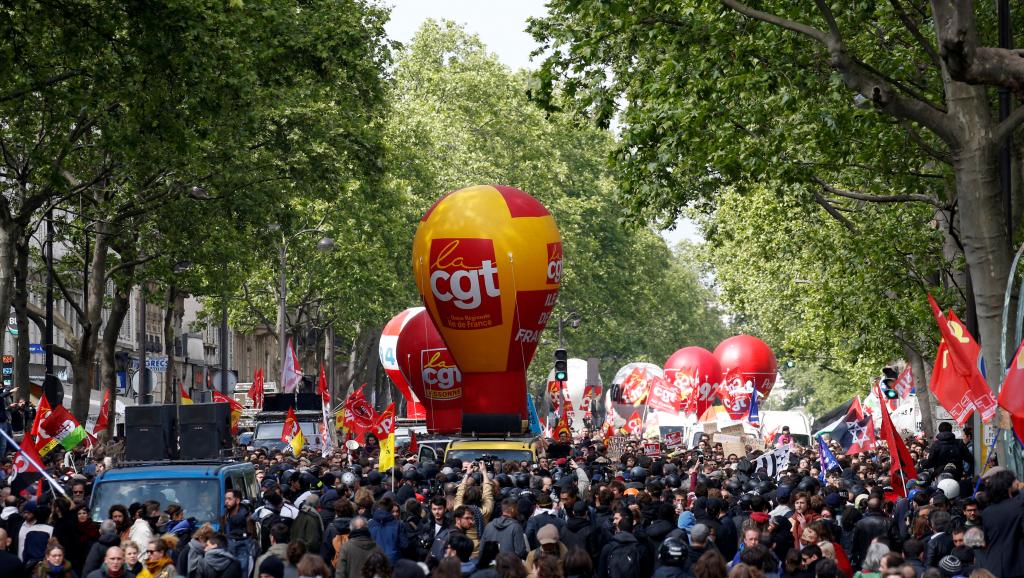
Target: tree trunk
point(88, 340)
point(119, 306)
point(10, 233)
point(170, 315)
point(924, 399)
point(986, 247)
point(20, 301)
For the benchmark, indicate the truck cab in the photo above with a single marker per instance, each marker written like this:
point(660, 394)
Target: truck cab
point(503, 449)
point(197, 486)
point(269, 422)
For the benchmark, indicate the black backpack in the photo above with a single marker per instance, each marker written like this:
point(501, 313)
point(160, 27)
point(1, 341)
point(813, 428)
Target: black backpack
point(267, 522)
point(625, 559)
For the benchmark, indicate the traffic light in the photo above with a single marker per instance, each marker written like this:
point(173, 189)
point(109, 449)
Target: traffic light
point(561, 365)
point(886, 385)
point(8, 374)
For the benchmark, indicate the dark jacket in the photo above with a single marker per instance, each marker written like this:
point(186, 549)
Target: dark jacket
point(538, 521)
point(581, 533)
point(219, 563)
point(621, 542)
point(388, 533)
point(337, 526)
point(11, 566)
point(939, 545)
point(308, 528)
point(871, 526)
point(98, 551)
point(101, 572)
point(508, 534)
point(948, 450)
point(42, 571)
point(670, 572)
point(1004, 534)
point(355, 553)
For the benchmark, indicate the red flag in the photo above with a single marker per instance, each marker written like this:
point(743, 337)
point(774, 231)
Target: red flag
point(901, 466)
point(42, 412)
point(414, 446)
point(236, 409)
point(256, 391)
point(1011, 394)
point(905, 382)
point(609, 431)
point(321, 387)
point(104, 418)
point(664, 396)
point(949, 389)
point(965, 358)
point(634, 425)
point(385, 425)
point(635, 386)
point(186, 399)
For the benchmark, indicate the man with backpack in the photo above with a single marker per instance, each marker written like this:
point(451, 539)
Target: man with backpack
point(623, 556)
point(543, 515)
point(549, 544)
point(580, 532)
point(506, 530)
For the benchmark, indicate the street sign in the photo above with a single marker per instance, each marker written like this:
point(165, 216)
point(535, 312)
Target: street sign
point(154, 364)
point(36, 349)
point(12, 325)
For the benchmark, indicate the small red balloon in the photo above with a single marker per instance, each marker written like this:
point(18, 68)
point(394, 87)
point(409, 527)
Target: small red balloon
point(747, 362)
point(697, 373)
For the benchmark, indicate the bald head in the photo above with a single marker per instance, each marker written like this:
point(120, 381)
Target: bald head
point(114, 559)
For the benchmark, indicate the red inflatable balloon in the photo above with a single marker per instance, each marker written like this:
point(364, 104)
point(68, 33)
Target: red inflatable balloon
point(747, 363)
point(697, 373)
point(431, 372)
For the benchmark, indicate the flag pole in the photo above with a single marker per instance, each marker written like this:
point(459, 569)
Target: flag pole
point(56, 486)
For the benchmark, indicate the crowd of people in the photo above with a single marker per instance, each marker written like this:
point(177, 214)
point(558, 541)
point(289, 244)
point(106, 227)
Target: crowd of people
point(579, 510)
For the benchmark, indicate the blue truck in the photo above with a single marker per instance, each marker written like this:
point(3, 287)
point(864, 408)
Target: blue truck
point(197, 486)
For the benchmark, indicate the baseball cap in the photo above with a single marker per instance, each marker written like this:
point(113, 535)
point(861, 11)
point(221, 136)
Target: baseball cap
point(548, 534)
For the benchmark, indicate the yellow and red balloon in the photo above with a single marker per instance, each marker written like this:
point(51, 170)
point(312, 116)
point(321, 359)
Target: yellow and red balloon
point(388, 351)
point(488, 264)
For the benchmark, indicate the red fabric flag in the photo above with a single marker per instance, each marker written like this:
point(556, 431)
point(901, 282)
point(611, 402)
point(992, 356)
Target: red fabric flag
point(236, 409)
point(609, 431)
point(255, 392)
point(186, 399)
point(901, 468)
point(949, 388)
point(634, 425)
point(1011, 394)
point(104, 418)
point(905, 382)
point(664, 396)
point(385, 425)
point(635, 386)
point(321, 387)
point(42, 412)
point(414, 446)
point(965, 358)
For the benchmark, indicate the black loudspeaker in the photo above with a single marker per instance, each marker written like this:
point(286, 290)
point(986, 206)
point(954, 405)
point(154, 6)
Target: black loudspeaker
point(150, 433)
point(205, 430)
point(491, 423)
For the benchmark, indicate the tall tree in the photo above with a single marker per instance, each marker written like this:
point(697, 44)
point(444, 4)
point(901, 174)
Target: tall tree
point(867, 102)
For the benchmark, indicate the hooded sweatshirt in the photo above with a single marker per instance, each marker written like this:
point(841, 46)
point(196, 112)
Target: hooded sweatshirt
point(219, 563)
point(96, 554)
point(508, 534)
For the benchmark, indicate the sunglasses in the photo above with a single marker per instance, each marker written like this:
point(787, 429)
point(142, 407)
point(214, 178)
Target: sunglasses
point(151, 551)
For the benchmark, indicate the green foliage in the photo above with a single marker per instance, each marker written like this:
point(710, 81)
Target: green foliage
point(461, 118)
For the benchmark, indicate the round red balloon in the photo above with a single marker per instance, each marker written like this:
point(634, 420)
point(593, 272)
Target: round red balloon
point(430, 370)
point(747, 362)
point(697, 373)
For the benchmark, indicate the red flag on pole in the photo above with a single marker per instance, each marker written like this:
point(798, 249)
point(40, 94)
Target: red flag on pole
point(901, 466)
point(256, 391)
point(104, 418)
point(414, 446)
point(965, 358)
point(235, 409)
point(1011, 394)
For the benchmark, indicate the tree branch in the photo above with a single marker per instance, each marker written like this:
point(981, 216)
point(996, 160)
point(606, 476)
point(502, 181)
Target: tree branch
point(933, 54)
point(272, 327)
point(1005, 129)
point(912, 198)
point(943, 157)
point(797, 27)
point(38, 316)
point(831, 210)
point(44, 83)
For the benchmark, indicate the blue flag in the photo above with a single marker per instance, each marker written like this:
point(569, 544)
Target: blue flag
point(827, 458)
point(754, 416)
point(535, 428)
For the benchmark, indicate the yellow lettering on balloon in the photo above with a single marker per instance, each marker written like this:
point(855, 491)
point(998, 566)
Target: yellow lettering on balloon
point(1020, 359)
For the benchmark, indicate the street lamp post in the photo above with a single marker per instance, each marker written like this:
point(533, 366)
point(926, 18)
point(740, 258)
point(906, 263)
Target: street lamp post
point(324, 245)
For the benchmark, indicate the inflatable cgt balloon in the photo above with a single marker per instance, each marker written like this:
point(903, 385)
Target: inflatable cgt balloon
point(488, 263)
point(747, 363)
point(630, 387)
point(430, 370)
point(388, 350)
point(696, 373)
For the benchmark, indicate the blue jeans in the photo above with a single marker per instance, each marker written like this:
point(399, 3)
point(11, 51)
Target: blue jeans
point(242, 551)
